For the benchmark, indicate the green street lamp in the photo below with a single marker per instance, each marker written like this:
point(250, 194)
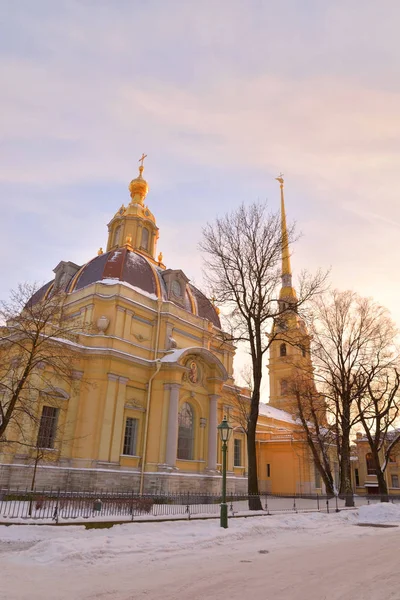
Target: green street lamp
point(225, 431)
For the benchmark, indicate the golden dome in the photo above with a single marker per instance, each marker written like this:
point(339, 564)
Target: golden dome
point(139, 187)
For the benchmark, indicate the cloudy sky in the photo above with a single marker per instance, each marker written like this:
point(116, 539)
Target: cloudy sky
point(222, 95)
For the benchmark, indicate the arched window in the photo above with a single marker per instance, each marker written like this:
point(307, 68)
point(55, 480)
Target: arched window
point(185, 432)
point(145, 238)
point(282, 350)
point(117, 234)
point(284, 387)
point(370, 464)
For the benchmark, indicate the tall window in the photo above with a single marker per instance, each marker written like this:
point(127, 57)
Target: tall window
point(282, 350)
point(131, 427)
point(117, 234)
point(395, 481)
point(370, 464)
point(303, 350)
point(357, 477)
point(268, 470)
point(145, 238)
point(237, 453)
point(48, 427)
point(185, 432)
point(317, 476)
point(284, 387)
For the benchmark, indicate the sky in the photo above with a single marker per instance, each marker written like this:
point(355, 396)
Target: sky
point(222, 97)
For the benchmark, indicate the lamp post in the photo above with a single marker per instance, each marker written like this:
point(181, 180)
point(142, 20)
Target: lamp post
point(225, 431)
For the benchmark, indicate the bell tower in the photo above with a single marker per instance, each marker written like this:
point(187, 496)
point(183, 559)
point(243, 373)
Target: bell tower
point(291, 346)
point(134, 227)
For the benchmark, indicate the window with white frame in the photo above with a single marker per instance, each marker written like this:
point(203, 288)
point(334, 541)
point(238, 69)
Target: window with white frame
point(185, 432)
point(47, 427)
point(131, 428)
point(145, 238)
point(395, 481)
point(237, 452)
point(117, 235)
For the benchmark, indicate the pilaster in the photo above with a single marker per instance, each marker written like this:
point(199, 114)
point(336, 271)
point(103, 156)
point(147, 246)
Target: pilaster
point(172, 430)
point(212, 433)
point(70, 430)
point(119, 324)
point(118, 424)
point(108, 416)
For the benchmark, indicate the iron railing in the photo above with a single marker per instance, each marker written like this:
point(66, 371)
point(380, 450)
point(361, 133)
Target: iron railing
point(113, 505)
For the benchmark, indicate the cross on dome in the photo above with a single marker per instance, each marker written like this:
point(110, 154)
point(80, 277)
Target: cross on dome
point(141, 159)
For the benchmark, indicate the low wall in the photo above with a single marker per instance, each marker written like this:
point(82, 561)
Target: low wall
point(79, 479)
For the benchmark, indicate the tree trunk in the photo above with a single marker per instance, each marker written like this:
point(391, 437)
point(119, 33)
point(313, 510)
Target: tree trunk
point(382, 485)
point(252, 481)
point(323, 469)
point(346, 489)
point(37, 458)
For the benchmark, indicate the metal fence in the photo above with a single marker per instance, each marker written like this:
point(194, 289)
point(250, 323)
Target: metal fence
point(57, 505)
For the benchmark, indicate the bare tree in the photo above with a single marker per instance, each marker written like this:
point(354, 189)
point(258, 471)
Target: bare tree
point(38, 351)
point(243, 252)
point(311, 412)
point(351, 336)
point(379, 410)
point(240, 400)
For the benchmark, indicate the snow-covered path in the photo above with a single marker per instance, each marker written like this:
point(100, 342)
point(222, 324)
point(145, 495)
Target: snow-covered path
point(291, 557)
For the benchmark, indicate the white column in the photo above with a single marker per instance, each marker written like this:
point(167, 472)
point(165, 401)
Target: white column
point(172, 431)
point(212, 433)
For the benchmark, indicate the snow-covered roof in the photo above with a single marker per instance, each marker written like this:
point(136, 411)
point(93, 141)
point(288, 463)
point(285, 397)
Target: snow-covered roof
point(175, 355)
point(275, 413)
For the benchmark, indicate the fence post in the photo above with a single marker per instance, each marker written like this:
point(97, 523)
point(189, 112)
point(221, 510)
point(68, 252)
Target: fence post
point(266, 504)
point(337, 508)
point(327, 505)
point(294, 503)
point(317, 502)
point(132, 504)
point(188, 506)
point(55, 514)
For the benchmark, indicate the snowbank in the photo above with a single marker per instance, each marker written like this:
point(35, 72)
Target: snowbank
point(70, 545)
point(382, 512)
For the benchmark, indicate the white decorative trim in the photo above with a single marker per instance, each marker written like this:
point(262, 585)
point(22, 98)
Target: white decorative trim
point(172, 386)
point(112, 377)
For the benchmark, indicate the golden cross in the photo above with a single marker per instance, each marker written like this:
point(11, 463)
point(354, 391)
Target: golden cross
point(141, 159)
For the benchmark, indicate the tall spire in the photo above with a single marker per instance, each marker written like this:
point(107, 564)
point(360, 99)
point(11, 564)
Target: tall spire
point(287, 290)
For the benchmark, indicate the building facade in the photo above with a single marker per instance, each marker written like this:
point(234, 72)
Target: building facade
point(363, 468)
point(153, 377)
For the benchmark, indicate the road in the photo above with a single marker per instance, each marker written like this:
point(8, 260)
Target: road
point(337, 563)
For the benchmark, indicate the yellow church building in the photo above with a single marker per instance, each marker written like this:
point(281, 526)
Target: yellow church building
point(162, 379)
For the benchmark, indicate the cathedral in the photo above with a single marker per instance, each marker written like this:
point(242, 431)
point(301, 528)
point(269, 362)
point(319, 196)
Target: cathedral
point(162, 374)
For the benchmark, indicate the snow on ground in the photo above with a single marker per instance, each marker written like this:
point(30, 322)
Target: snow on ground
point(383, 512)
point(317, 556)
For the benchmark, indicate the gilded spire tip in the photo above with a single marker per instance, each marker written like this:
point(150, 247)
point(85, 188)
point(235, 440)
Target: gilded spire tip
point(280, 179)
point(141, 160)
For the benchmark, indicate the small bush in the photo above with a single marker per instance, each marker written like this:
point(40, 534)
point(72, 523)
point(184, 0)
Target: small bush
point(40, 503)
point(143, 505)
